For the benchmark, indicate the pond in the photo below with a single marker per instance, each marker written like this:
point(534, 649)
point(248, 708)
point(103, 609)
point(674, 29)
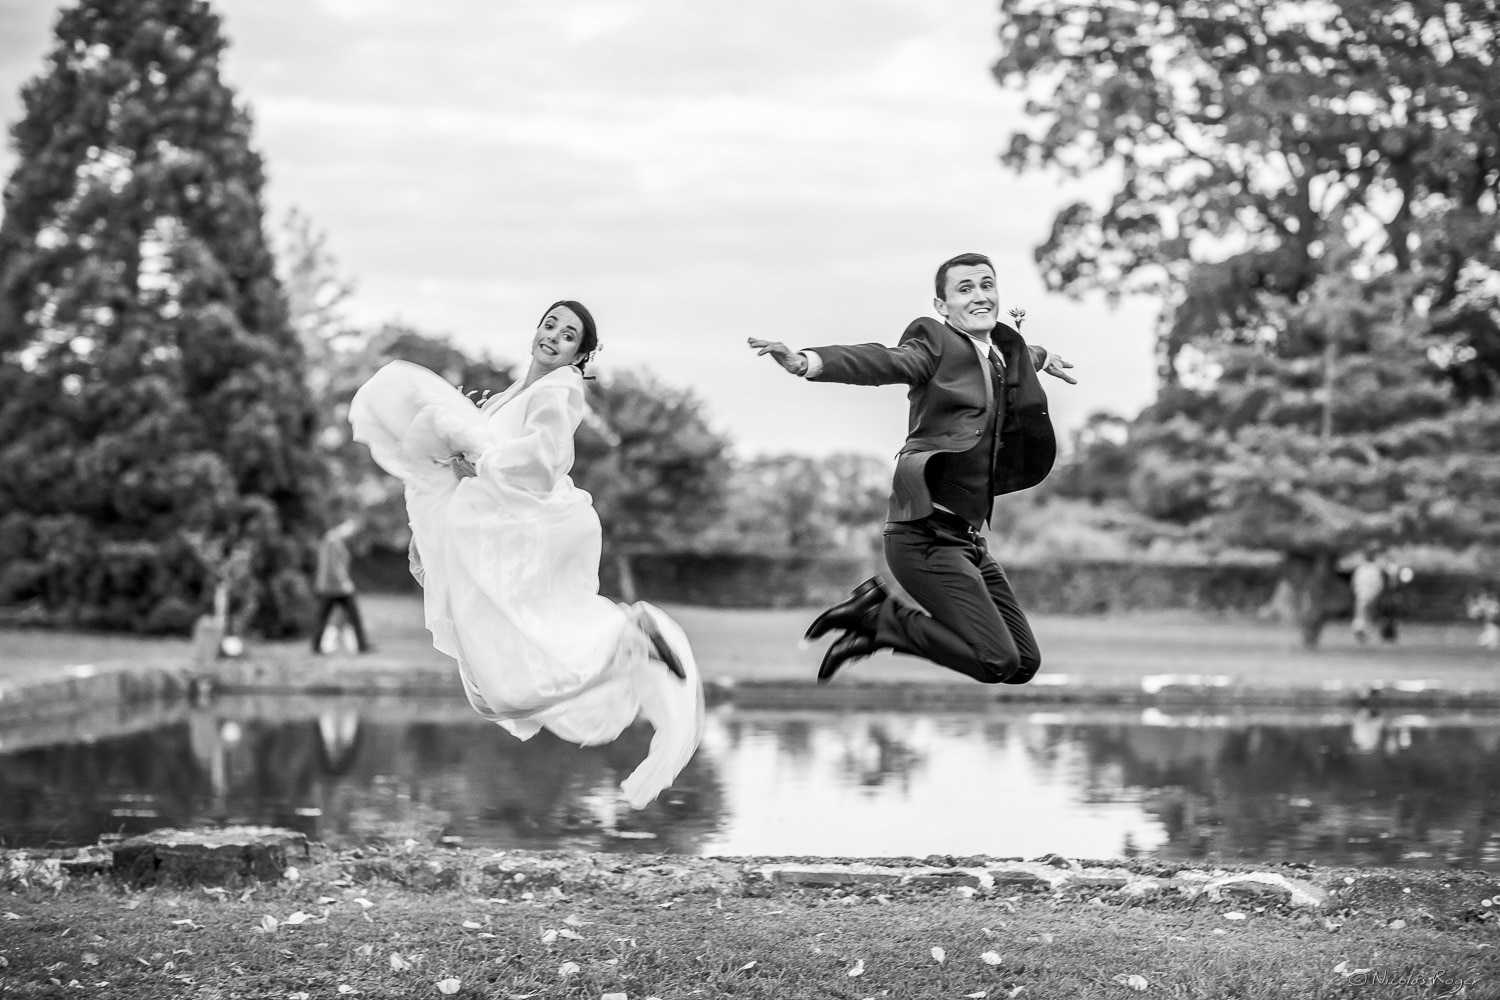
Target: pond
point(1339, 788)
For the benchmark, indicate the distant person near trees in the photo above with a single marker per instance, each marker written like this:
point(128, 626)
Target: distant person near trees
point(1392, 600)
point(978, 429)
point(1367, 581)
point(335, 586)
point(1485, 608)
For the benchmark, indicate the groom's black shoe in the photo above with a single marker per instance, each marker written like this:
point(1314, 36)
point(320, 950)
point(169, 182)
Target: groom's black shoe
point(846, 648)
point(664, 651)
point(850, 614)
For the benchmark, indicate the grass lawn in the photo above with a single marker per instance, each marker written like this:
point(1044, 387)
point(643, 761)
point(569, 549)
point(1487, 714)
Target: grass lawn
point(339, 931)
point(763, 646)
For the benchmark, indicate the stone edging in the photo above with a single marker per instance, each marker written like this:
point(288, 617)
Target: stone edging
point(248, 855)
point(1032, 876)
point(93, 684)
point(88, 697)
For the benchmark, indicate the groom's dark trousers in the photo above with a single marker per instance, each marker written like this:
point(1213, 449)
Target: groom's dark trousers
point(975, 624)
point(978, 430)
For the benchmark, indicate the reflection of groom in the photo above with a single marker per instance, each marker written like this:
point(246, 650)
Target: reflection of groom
point(978, 429)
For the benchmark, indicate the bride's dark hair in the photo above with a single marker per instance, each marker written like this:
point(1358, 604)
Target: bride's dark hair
point(588, 341)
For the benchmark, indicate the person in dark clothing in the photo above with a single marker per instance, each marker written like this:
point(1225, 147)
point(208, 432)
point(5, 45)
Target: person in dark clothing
point(978, 429)
point(335, 587)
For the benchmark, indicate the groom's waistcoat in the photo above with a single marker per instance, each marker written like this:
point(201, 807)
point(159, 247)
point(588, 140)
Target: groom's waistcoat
point(953, 400)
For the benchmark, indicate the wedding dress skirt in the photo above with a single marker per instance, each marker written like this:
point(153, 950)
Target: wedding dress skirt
point(509, 565)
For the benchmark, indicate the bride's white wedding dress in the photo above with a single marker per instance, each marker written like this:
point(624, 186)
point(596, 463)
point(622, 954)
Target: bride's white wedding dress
point(509, 565)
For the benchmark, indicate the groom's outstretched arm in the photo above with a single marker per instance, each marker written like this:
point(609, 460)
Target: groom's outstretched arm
point(910, 362)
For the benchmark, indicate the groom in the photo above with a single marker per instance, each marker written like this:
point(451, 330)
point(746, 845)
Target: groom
point(978, 430)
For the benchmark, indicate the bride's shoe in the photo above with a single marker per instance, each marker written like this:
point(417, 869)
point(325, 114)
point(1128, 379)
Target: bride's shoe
point(646, 622)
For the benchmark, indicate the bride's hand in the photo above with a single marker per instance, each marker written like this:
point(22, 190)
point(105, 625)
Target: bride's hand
point(461, 466)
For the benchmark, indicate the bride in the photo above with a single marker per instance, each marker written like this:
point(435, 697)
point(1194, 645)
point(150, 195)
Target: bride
point(507, 551)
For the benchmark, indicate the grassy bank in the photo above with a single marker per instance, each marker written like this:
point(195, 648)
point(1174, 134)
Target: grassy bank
point(390, 925)
point(762, 646)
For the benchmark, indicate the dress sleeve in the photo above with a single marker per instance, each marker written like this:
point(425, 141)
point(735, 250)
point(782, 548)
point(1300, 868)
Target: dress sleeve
point(542, 453)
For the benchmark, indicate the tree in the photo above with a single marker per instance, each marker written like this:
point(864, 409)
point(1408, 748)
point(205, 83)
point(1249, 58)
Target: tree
point(1247, 138)
point(151, 386)
point(1311, 191)
point(317, 293)
point(803, 505)
point(658, 473)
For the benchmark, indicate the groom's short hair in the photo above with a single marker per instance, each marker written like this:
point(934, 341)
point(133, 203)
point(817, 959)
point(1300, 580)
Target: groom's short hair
point(940, 283)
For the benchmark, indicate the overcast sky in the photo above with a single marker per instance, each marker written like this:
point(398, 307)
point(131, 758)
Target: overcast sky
point(695, 171)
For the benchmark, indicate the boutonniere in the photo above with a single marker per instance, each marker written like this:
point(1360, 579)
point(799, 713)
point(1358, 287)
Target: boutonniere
point(1017, 314)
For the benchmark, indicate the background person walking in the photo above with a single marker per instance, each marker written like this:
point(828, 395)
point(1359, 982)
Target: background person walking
point(1366, 581)
point(333, 584)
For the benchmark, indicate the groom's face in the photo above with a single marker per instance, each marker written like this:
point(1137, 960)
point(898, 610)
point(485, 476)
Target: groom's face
point(970, 302)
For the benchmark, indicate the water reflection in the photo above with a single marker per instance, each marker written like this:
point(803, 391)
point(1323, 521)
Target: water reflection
point(1347, 789)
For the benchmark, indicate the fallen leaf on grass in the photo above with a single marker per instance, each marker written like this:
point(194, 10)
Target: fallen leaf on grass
point(364, 903)
point(12, 916)
point(189, 924)
point(448, 987)
point(858, 969)
point(568, 969)
point(1396, 924)
point(977, 996)
point(89, 958)
point(1132, 982)
point(472, 925)
point(299, 995)
point(938, 955)
point(574, 920)
point(570, 934)
point(296, 918)
point(365, 950)
point(1235, 915)
point(990, 958)
point(549, 935)
point(1219, 931)
point(399, 964)
point(346, 988)
point(1343, 969)
point(291, 874)
point(267, 925)
point(747, 966)
point(613, 996)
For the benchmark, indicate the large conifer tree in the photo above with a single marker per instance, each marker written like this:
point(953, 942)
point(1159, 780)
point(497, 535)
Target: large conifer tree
point(151, 386)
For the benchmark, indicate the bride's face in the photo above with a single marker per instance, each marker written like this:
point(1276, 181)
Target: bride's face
point(556, 340)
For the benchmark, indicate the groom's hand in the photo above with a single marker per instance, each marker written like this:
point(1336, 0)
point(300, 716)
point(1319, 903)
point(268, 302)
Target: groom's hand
point(787, 358)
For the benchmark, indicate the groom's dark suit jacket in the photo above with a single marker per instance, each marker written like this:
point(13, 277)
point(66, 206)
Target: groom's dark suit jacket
point(952, 398)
